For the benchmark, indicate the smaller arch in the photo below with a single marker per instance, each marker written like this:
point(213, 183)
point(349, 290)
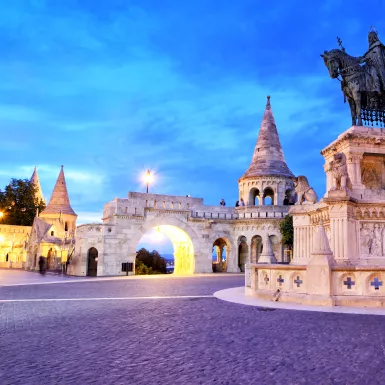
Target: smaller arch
point(66, 226)
point(52, 233)
point(375, 284)
point(297, 282)
point(254, 197)
point(223, 249)
point(92, 262)
point(268, 196)
point(50, 259)
point(256, 248)
point(348, 283)
point(243, 252)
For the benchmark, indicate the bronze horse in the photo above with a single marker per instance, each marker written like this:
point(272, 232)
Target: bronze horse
point(365, 102)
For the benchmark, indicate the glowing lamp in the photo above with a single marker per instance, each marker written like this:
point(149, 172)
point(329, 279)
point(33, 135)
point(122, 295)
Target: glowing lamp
point(147, 179)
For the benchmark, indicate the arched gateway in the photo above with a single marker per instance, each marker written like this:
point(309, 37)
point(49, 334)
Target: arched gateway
point(194, 228)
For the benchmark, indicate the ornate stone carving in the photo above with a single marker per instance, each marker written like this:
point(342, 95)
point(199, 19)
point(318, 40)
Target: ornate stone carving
point(371, 175)
point(372, 239)
point(339, 172)
point(304, 191)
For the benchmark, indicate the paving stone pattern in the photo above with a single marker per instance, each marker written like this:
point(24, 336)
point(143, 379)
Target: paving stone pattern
point(179, 341)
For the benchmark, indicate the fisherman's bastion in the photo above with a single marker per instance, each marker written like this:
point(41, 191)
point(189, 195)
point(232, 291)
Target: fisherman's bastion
point(238, 233)
point(338, 256)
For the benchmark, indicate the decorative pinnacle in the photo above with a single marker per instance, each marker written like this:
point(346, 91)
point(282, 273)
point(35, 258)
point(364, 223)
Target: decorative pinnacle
point(268, 101)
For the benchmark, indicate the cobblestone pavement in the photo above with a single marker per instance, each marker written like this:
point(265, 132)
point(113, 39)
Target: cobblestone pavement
point(178, 340)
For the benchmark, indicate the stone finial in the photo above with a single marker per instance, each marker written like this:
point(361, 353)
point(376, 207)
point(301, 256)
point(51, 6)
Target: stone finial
point(321, 245)
point(267, 255)
point(268, 102)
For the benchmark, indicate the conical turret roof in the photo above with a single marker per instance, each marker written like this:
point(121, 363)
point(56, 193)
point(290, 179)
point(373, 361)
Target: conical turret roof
point(35, 180)
point(268, 159)
point(59, 202)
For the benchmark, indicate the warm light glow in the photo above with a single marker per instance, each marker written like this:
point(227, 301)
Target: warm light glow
point(183, 248)
point(148, 177)
point(1, 214)
point(1, 239)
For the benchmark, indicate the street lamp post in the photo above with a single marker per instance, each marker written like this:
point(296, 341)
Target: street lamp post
point(147, 179)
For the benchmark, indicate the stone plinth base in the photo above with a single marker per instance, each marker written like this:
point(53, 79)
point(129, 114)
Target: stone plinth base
point(358, 286)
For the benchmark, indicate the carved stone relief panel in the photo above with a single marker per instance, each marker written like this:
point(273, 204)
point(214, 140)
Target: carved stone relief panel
point(372, 237)
point(372, 172)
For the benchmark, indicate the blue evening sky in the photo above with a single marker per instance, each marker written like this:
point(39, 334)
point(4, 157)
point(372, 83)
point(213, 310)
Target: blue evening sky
point(111, 88)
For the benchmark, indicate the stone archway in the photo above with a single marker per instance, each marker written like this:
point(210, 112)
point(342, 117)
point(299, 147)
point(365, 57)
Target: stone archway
point(243, 252)
point(254, 197)
point(223, 248)
point(268, 196)
point(50, 259)
point(183, 248)
point(188, 255)
point(92, 262)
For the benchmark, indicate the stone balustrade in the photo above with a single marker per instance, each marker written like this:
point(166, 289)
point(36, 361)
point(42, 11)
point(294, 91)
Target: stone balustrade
point(350, 285)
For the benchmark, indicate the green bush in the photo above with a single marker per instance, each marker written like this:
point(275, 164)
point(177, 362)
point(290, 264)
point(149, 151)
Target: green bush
point(149, 263)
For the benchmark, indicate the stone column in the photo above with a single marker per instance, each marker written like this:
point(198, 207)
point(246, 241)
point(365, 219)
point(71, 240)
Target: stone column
point(318, 271)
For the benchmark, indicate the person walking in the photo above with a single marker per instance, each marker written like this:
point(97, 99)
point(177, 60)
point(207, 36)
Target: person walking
point(41, 266)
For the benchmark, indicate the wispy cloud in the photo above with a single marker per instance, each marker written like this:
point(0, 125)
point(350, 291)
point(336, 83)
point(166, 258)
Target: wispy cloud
point(112, 89)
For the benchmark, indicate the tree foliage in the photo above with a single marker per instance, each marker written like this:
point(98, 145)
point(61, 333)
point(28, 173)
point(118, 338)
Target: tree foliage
point(149, 262)
point(18, 203)
point(287, 230)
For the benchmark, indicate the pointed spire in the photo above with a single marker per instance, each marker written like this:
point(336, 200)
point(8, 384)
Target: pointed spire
point(59, 202)
point(268, 156)
point(35, 180)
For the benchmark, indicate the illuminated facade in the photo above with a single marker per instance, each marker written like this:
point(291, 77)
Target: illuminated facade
point(53, 231)
point(242, 234)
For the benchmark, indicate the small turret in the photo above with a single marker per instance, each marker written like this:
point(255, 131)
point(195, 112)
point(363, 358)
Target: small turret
point(59, 207)
point(268, 175)
point(35, 180)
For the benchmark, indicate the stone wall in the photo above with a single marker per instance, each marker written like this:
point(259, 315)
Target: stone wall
point(12, 245)
point(126, 220)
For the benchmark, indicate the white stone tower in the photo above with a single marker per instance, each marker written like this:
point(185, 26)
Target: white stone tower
point(268, 175)
point(35, 180)
point(59, 206)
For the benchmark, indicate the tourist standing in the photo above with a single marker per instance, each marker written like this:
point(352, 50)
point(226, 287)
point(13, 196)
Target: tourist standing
point(242, 202)
point(223, 203)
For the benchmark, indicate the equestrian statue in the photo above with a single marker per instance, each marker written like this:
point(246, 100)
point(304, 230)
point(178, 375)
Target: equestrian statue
point(362, 80)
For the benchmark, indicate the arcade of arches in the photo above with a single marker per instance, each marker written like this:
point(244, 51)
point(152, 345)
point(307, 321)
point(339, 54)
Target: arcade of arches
point(256, 249)
point(257, 198)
